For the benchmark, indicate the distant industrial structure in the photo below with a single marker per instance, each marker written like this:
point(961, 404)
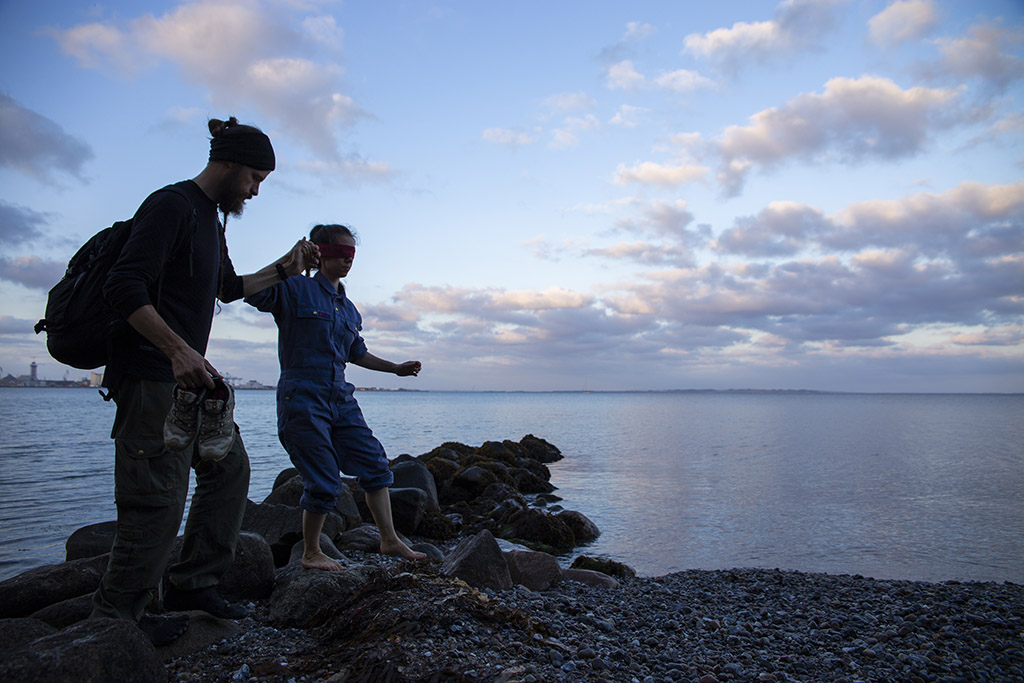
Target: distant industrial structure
point(95, 380)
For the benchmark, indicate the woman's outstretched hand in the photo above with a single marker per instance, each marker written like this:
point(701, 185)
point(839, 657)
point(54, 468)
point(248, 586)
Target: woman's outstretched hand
point(409, 367)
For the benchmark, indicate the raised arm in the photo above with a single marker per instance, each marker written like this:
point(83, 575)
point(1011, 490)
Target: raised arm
point(302, 256)
point(371, 362)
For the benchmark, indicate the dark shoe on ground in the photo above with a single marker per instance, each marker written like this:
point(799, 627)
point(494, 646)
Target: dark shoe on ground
point(163, 630)
point(217, 424)
point(205, 599)
point(182, 423)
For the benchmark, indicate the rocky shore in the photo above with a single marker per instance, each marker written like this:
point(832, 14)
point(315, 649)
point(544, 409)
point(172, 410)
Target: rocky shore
point(495, 604)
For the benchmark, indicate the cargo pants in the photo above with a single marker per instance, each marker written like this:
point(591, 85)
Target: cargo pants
point(150, 489)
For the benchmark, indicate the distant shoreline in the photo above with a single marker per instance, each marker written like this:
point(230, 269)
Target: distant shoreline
point(770, 392)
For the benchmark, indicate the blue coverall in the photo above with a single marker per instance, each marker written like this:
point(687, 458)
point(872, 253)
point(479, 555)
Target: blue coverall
point(318, 419)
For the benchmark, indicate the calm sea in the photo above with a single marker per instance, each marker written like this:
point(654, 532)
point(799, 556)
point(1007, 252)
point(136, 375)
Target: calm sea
point(915, 486)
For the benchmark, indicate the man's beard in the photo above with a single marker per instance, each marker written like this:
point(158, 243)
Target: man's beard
point(233, 207)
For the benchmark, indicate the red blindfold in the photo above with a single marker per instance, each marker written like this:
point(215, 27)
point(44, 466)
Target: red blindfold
point(345, 251)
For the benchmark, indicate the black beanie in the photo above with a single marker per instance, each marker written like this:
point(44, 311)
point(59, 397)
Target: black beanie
point(244, 145)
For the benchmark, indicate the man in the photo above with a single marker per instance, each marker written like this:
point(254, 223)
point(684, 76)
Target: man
point(165, 283)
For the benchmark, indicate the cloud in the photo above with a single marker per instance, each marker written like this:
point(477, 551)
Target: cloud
point(797, 25)
point(903, 21)
point(19, 225)
point(32, 271)
point(982, 54)
point(682, 81)
point(351, 168)
point(568, 102)
point(626, 116)
point(853, 119)
point(969, 223)
point(636, 30)
point(646, 253)
point(16, 326)
point(660, 175)
point(624, 76)
point(568, 134)
point(781, 229)
point(509, 137)
point(36, 146)
point(243, 53)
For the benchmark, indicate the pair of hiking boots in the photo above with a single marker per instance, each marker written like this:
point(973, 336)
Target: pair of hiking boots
point(206, 415)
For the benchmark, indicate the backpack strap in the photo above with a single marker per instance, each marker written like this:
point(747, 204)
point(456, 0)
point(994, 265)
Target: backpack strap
point(191, 241)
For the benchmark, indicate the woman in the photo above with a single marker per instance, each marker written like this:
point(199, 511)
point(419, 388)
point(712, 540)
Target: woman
point(319, 422)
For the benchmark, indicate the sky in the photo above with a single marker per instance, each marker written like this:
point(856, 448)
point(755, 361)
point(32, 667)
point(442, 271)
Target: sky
point(814, 194)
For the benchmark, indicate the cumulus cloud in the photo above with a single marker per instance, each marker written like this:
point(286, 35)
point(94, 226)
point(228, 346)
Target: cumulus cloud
point(627, 116)
point(646, 253)
point(243, 53)
point(37, 146)
point(19, 225)
point(968, 224)
point(624, 76)
point(853, 119)
point(509, 137)
point(983, 54)
point(572, 128)
point(682, 81)
point(797, 25)
point(660, 175)
point(32, 271)
point(568, 102)
point(903, 21)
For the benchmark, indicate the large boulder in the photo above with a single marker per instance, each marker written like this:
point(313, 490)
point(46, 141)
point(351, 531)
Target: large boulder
point(364, 539)
point(537, 571)
point(90, 541)
point(17, 632)
point(285, 475)
point(251, 575)
point(540, 450)
point(30, 591)
point(281, 526)
point(410, 472)
point(408, 506)
point(478, 561)
point(583, 530)
point(66, 612)
point(289, 492)
point(538, 529)
point(93, 651)
point(303, 596)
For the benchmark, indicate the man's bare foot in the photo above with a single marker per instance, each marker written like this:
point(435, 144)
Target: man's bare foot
point(399, 549)
point(318, 560)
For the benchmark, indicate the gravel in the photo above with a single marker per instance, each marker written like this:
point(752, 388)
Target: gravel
point(411, 624)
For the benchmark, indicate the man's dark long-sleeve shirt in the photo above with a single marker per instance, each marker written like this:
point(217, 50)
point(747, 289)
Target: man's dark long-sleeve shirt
point(181, 240)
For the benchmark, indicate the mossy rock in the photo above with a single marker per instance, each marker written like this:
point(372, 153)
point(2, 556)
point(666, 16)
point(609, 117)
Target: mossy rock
point(603, 565)
point(540, 450)
point(537, 526)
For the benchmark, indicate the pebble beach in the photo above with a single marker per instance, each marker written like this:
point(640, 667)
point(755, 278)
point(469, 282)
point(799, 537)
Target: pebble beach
point(692, 626)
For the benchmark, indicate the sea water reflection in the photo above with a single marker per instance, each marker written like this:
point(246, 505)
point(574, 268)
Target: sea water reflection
point(891, 486)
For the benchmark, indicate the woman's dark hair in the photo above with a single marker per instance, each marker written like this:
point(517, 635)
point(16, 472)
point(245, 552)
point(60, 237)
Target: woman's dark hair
point(329, 233)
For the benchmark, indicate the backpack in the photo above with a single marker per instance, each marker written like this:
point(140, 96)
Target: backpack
point(79, 323)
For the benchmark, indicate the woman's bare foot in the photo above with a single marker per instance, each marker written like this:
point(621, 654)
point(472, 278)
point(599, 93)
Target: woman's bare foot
point(318, 560)
point(399, 549)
